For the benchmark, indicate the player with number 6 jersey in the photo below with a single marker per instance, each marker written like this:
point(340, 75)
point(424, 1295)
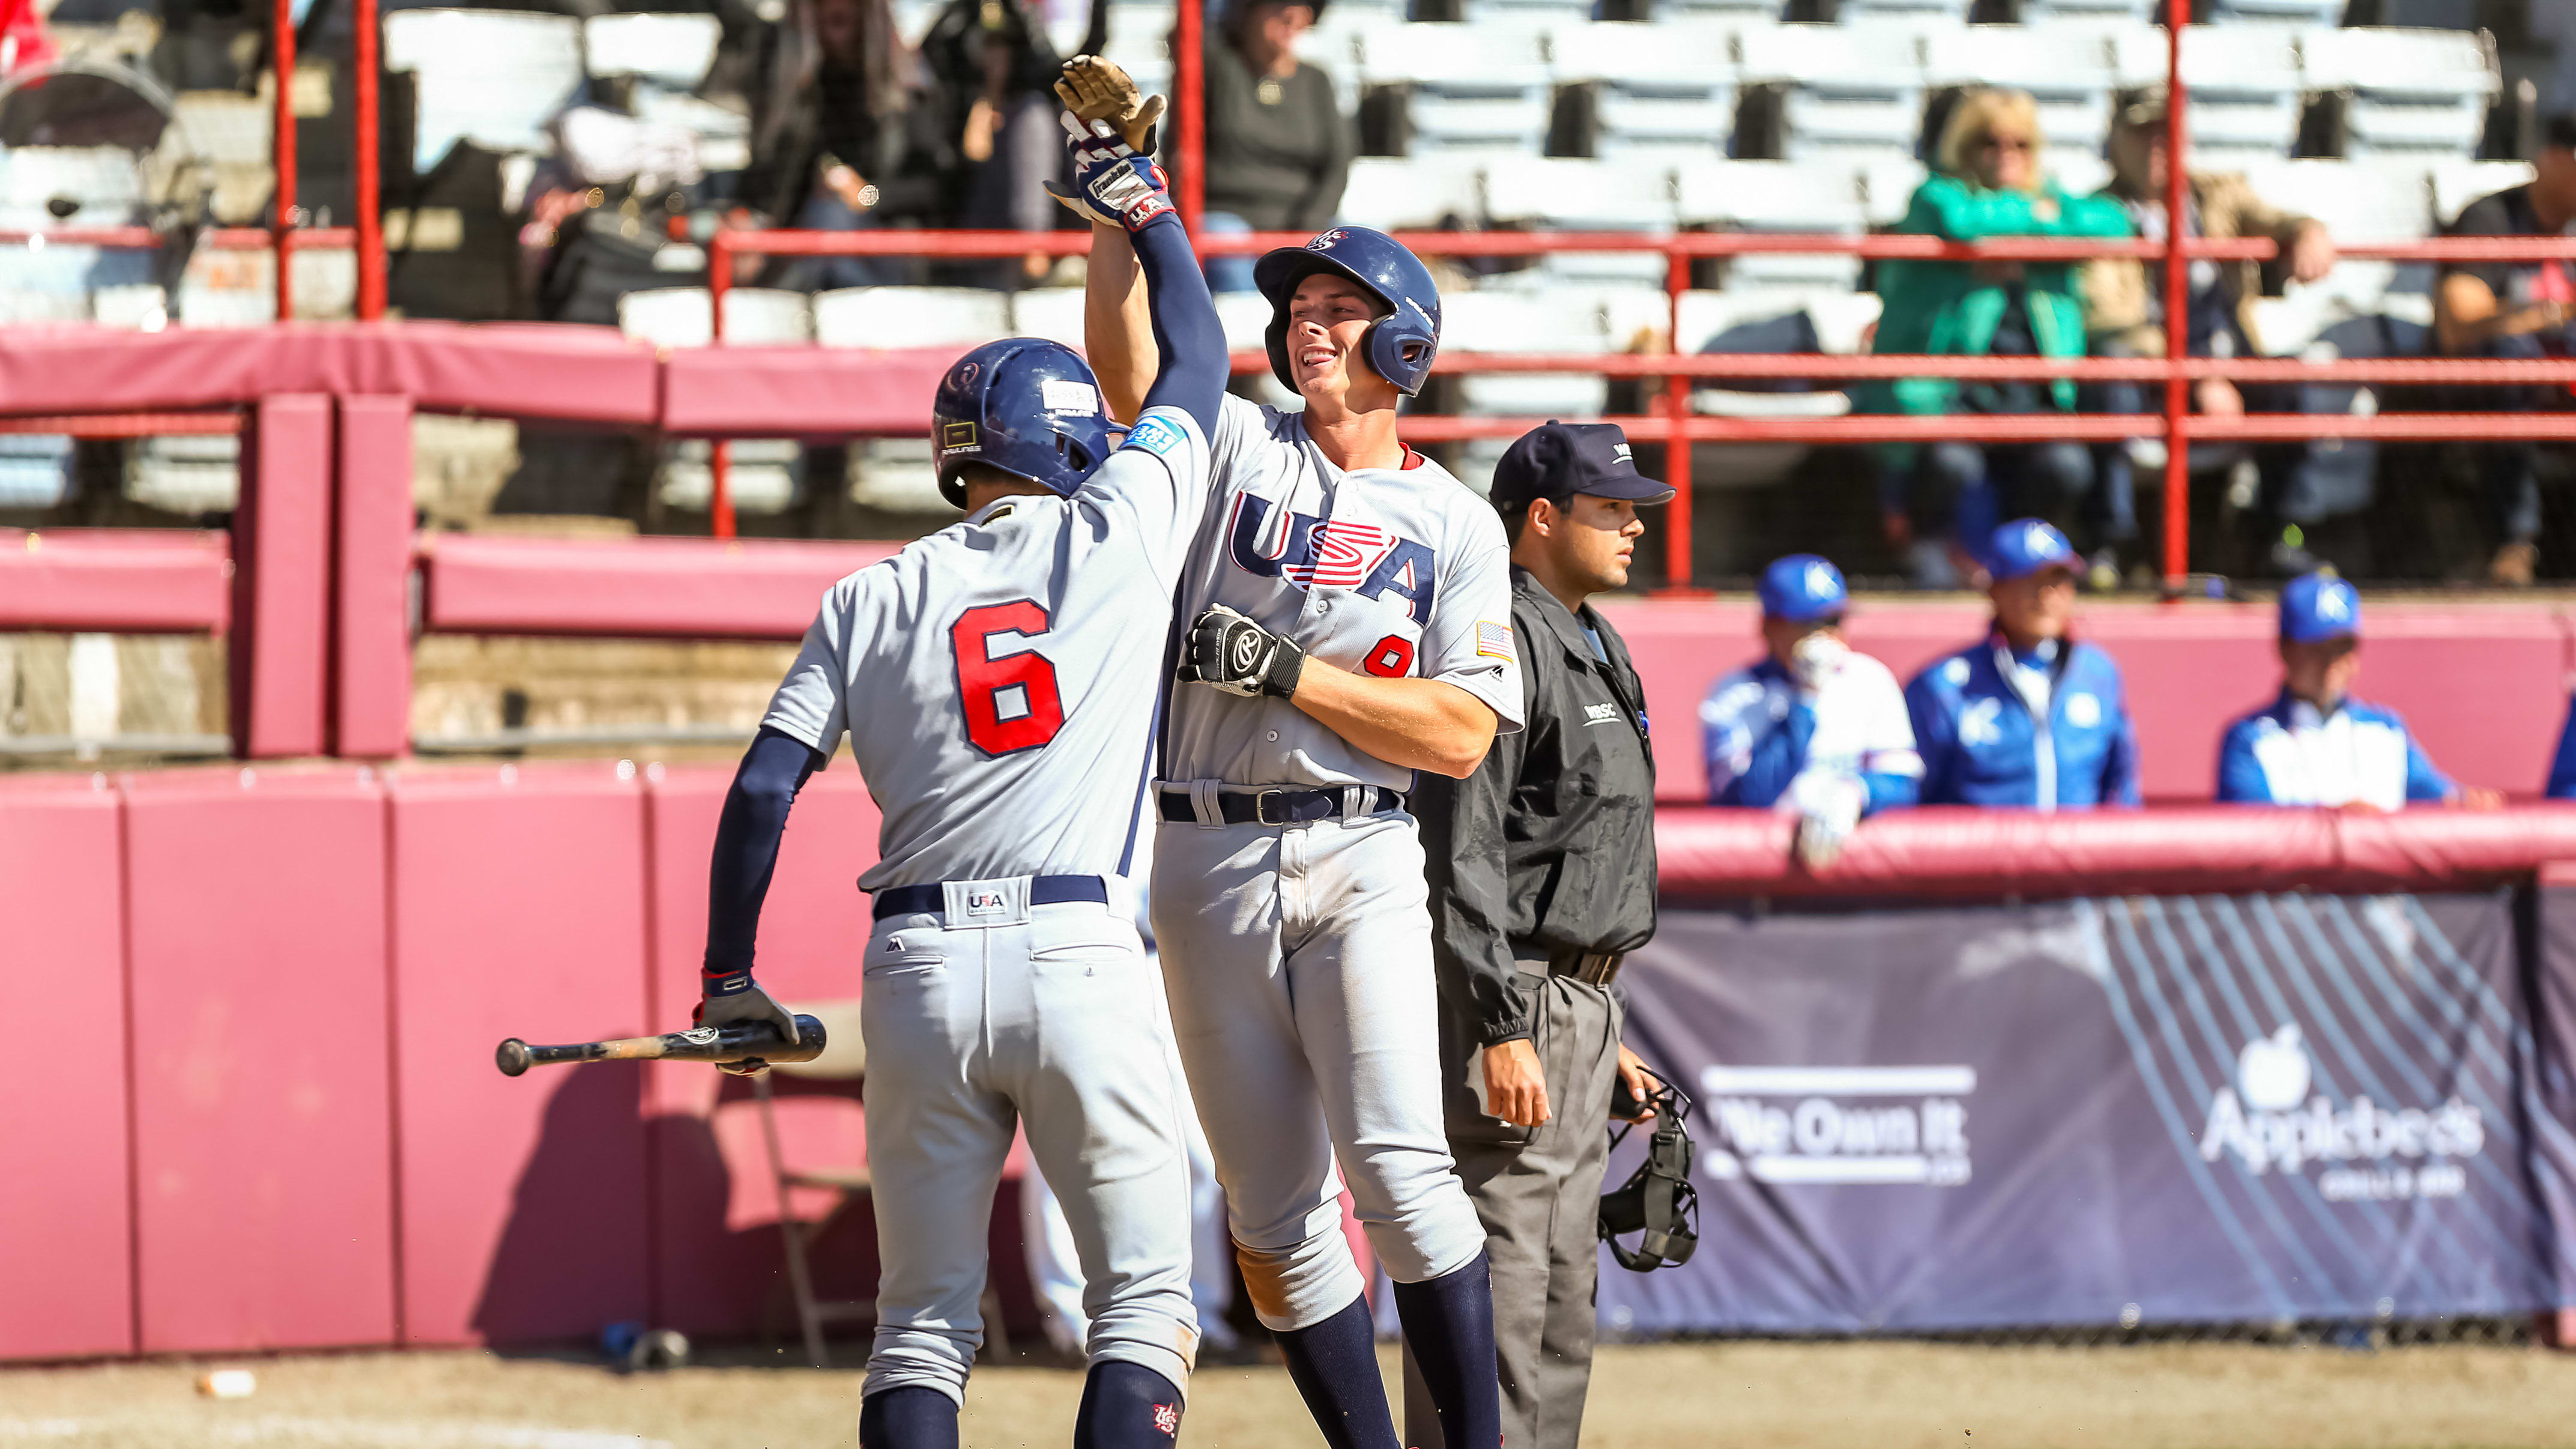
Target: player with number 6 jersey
point(997, 682)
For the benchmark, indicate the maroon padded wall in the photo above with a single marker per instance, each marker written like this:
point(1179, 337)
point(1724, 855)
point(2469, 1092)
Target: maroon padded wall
point(518, 910)
point(262, 1124)
point(66, 1246)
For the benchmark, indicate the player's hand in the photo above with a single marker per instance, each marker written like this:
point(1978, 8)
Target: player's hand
point(1095, 89)
point(2312, 253)
point(1641, 1081)
point(1114, 184)
point(1515, 1083)
point(738, 998)
point(1829, 805)
point(1230, 652)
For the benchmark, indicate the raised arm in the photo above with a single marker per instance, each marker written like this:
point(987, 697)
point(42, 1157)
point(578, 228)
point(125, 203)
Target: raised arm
point(1117, 332)
point(1187, 336)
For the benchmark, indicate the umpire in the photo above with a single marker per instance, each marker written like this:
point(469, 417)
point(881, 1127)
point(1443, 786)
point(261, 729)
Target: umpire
point(1542, 875)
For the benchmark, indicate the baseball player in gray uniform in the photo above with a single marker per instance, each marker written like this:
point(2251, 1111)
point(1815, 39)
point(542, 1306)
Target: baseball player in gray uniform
point(1345, 621)
point(998, 681)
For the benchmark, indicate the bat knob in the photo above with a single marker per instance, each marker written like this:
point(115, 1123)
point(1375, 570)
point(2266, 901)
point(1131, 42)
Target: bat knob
point(512, 1057)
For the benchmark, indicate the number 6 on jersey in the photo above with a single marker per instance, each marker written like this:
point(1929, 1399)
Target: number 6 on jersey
point(1010, 699)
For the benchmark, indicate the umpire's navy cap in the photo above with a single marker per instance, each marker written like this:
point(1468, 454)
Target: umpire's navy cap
point(1557, 460)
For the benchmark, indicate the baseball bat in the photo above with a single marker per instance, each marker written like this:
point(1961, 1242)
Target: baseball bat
point(731, 1042)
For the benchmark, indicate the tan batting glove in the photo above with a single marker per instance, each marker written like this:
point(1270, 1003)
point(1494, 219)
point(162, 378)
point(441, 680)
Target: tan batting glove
point(1099, 90)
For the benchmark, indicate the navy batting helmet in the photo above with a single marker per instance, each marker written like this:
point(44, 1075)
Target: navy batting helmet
point(1401, 343)
point(1024, 405)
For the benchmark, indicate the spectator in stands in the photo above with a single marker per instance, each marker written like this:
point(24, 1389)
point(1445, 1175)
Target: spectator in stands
point(1278, 147)
point(844, 137)
point(2514, 310)
point(1813, 728)
point(2026, 716)
point(1990, 184)
point(2316, 744)
point(2124, 309)
point(995, 71)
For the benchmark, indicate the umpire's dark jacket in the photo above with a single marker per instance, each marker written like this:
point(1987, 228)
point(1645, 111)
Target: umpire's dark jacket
point(1571, 868)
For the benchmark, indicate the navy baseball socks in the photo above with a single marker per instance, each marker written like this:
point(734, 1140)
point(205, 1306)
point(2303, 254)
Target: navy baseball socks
point(1334, 1365)
point(1449, 1325)
point(908, 1418)
point(1126, 1406)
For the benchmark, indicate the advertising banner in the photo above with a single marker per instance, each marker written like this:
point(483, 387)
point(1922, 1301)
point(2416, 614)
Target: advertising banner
point(2101, 1112)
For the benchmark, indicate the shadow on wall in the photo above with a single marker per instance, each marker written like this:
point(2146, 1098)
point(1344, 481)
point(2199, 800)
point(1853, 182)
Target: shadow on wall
point(581, 1250)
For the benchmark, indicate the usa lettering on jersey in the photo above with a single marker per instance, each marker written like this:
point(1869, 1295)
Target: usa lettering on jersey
point(1312, 552)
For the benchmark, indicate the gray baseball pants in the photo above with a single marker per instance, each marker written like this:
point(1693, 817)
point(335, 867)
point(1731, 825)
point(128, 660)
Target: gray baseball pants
point(1538, 1192)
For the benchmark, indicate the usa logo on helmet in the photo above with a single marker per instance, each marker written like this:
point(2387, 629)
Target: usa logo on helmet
point(1327, 240)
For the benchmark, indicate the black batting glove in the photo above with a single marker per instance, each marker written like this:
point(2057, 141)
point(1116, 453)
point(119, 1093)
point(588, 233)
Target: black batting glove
point(1227, 651)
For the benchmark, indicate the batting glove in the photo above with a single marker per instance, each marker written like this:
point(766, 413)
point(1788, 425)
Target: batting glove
point(736, 997)
point(1230, 652)
point(1113, 184)
point(1095, 89)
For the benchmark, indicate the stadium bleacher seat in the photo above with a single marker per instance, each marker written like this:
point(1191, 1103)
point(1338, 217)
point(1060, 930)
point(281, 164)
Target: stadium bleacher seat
point(2458, 182)
point(1846, 91)
point(1777, 196)
point(910, 316)
point(35, 470)
point(493, 77)
point(2357, 200)
point(1392, 193)
point(674, 50)
point(2413, 93)
point(1054, 313)
point(2095, 12)
point(2245, 85)
point(1871, 12)
point(1658, 88)
point(1469, 88)
point(1564, 194)
point(185, 474)
point(2068, 70)
point(2307, 13)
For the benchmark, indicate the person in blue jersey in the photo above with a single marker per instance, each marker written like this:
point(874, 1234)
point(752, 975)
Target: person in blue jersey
point(1812, 728)
point(2027, 716)
point(2317, 745)
point(2562, 768)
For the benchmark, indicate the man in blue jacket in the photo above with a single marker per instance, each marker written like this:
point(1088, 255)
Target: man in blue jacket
point(2317, 745)
point(1812, 728)
point(2026, 716)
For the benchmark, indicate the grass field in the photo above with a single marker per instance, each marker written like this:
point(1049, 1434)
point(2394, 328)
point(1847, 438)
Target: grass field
point(1778, 1396)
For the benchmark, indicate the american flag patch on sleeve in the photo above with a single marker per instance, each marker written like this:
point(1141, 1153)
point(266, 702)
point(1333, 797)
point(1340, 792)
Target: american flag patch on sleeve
point(1494, 641)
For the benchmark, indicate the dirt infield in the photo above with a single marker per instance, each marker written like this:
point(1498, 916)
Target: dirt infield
point(1779, 1396)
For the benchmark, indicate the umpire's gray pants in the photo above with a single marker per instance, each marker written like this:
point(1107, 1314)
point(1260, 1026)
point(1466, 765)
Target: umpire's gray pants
point(1539, 1194)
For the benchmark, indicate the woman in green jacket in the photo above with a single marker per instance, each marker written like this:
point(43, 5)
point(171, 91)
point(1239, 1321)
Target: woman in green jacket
point(1988, 184)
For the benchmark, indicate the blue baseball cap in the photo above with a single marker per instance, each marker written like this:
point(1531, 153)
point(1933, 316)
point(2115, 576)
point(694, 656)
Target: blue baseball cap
point(1801, 588)
point(2024, 547)
point(2319, 606)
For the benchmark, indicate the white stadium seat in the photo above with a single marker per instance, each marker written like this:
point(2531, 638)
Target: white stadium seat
point(2456, 183)
point(910, 316)
point(2357, 200)
point(1778, 196)
point(1395, 192)
point(1665, 87)
point(1847, 90)
point(1474, 88)
point(493, 77)
point(1054, 313)
point(674, 50)
point(2420, 93)
point(668, 316)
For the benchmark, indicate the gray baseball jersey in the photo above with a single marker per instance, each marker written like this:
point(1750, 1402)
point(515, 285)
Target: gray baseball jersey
point(1391, 571)
point(998, 740)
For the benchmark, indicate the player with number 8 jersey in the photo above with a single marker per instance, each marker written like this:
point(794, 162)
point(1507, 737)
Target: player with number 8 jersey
point(1344, 622)
point(997, 683)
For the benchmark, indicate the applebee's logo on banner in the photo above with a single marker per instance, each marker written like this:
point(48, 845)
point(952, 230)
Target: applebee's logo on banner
point(2271, 1120)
